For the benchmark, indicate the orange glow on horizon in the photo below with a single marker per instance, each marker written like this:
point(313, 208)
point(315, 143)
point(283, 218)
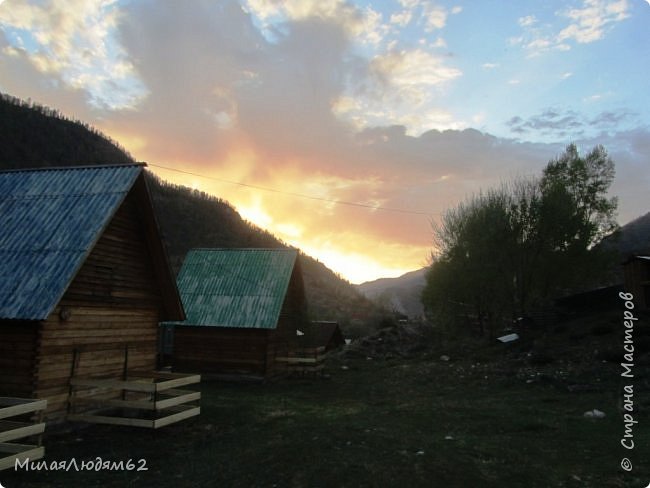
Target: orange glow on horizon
point(344, 253)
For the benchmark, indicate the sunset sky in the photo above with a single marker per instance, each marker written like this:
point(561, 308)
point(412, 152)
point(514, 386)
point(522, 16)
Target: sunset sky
point(289, 109)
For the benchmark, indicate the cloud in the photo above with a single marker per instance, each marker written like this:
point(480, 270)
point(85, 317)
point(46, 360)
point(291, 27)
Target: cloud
point(490, 65)
point(563, 124)
point(587, 24)
point(413, 72)
point(435, 17)
point(609, 119)
point(71, 40)
point(550, 121)
point(401, 86)
point(527, 21)
point(366, 24)
point(590, 21)
point(438, 43)
point(401, 18)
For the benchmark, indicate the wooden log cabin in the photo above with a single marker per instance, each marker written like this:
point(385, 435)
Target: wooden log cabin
point(243, 309)
point(84, 280)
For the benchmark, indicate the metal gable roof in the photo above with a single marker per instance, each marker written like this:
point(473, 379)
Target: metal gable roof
point(49, 221)
point(242, 288)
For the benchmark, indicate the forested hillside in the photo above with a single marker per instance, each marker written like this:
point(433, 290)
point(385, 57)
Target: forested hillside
point(35, 136)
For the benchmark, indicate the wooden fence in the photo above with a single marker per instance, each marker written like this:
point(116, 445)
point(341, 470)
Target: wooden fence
point(304, 361)
point(12, 430)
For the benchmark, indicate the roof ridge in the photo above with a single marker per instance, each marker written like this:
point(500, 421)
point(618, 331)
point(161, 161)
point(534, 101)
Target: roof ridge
point(67, 168)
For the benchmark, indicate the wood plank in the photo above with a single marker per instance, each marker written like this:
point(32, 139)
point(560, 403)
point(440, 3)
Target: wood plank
point(147, 387)
point(172, 419)
point(10, 431)
point(93, 417)
point(296, 360)
point(116, 403)
point(11, 406)
point(100, 417)
point(47, 350)
point(188, 396)
point(167, 380)
point(169, 384)
point(19, 452)
point(181, 396)
point(104, 311)
point(89, 340)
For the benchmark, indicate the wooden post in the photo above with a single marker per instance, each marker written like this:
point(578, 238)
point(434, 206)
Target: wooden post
point(125, 370)
point(39, 439)
point(73, 369)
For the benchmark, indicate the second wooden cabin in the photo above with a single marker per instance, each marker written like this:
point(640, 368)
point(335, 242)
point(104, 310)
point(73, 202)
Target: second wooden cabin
point(243, 309)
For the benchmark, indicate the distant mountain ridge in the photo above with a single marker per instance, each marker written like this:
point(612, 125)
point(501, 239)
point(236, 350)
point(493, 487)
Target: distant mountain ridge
point(401, 294)
point(33, 136)
point(632, 238)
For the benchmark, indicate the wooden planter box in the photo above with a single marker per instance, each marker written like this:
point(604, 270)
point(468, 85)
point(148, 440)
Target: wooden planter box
point(11, 430)
point(151, 400)
point(305, 361)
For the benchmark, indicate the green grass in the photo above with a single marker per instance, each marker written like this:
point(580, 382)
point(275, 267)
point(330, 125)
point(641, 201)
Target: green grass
point(376, 424)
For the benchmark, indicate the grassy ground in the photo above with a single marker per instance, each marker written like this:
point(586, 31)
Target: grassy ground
point(479, 420)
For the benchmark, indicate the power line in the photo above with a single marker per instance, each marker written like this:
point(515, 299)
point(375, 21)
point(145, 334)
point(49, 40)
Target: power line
point(298, 195)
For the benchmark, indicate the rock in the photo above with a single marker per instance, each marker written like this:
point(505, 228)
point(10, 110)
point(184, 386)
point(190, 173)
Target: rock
point(594, 414)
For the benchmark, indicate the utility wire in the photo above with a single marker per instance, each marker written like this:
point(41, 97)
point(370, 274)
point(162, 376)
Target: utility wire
point(298, 195)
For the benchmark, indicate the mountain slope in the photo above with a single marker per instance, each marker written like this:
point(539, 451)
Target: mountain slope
point(400, 294)
point(632, 238)
point(33, 136)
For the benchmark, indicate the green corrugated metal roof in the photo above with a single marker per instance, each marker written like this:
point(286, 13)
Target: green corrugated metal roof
point(242, 288)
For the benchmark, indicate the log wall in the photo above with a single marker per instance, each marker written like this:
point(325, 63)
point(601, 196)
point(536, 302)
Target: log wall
point(17, 355)
point(219, 350)
point(108, 315)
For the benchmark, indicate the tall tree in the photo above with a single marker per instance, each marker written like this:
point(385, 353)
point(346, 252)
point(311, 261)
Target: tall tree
point(575, 213)
point(500, 253)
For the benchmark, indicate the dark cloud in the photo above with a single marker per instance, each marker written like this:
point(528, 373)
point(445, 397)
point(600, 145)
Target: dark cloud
point(569, 123)
point(548, 122)
point(612, 119)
